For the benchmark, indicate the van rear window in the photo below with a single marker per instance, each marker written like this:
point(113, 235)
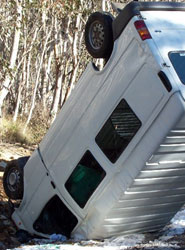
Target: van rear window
point(177, 59)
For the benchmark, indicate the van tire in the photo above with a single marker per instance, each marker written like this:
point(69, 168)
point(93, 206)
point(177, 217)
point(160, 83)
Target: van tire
point(99, 35)
point(13, 178)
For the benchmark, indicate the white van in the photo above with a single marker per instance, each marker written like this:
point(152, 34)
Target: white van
point(113, 162)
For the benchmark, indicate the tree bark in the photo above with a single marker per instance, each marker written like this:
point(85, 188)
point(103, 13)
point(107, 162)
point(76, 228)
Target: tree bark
point(6, 84)
point(76, 44)
point(37, 80)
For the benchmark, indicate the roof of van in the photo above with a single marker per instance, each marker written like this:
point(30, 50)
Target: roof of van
point(134, 8)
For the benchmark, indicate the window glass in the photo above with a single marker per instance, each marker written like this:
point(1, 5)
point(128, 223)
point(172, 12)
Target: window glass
point(85, 179)
point(118, 131)
point(55, 218)
point(178, 61)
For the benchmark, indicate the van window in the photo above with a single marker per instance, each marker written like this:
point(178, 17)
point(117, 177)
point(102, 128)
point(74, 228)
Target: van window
point(55, 218)
point(85, 179)
point(178, 61)
point(118, 131)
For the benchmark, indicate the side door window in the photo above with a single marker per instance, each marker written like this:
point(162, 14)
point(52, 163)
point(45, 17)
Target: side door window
point(55, 217)
point(118, 131)
point(85, 178)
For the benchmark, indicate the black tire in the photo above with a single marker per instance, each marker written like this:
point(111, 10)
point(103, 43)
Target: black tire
point(13, 178)
point(99, 35)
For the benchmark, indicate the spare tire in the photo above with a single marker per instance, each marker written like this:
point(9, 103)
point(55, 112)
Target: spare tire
point(99, 35)
point(13, 178)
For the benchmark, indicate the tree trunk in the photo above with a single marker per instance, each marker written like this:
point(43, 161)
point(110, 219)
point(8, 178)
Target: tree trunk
point(45, 83)
point(17, 103)
point(58, 50)
point(37, 80)
point(6, 84)
point(20, 87)
point(28, 72)
point(76, 45)
point(103, 5)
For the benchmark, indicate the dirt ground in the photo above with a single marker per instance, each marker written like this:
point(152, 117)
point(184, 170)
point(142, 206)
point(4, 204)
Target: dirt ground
point(8, 230)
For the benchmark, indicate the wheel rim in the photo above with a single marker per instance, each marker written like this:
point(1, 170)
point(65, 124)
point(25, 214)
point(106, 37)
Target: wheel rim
point(96, 35)
point(13, 180)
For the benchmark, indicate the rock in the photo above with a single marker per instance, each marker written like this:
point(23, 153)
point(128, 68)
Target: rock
point(14, 241)
point(2, 237)
point(23, 236)
point(3, 164)
point(7, 222)
point(3, 217)
point(12, 230)
point(1, 226)
point(2, 246)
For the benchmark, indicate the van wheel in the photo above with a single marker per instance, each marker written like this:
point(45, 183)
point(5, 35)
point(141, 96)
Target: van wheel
point(99, 35)
point(13, 178)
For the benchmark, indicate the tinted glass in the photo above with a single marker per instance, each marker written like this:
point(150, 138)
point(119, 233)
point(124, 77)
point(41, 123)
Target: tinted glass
point(178, 61)
point(55, 218)
point(85, 179)
point(118, 131)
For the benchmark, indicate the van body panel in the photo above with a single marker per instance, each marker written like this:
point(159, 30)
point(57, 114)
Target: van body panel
point(143, 203)
point(167, 29)
point(80, 102)
point(141, 189)
point(136, 8)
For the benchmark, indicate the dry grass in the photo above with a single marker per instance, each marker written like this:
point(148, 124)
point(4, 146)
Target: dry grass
point(13, 132)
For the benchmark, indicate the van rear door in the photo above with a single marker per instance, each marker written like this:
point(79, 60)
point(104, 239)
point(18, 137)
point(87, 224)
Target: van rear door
point(167, 29)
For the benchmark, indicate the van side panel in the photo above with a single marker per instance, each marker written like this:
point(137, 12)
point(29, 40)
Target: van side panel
point(150, 193)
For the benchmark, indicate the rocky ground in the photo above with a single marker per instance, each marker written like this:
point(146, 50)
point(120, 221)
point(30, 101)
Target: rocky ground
point(8, 230)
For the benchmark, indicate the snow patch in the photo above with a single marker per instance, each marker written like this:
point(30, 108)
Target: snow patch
point(124, 242)
point(176, 227)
